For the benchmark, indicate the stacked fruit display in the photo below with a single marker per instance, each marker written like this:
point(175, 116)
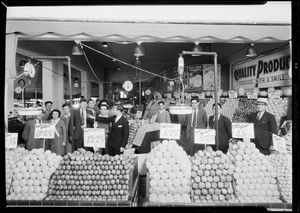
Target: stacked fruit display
point(244, 111)
point(13, 156)
point(212, 174)
point(170, 173)
point(229, 107)
point(254, 175)
point(144, 127)
point(208, 107)
point(31, 175)
point(83, 176)
point(133, 127)
point(283, 165)
point(277, 107)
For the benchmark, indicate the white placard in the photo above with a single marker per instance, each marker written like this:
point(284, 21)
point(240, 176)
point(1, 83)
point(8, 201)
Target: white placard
point(94, 137)
point(170, 131)
point(279, 143)
point(11, 140)
point(205, 136)
point(275, 94)
point(153, 118)
point(139, 114)
point(232, 94)
point(44, 130)
point(251, 95)
point(201, 95)
point(128, 152)
point(242, 130)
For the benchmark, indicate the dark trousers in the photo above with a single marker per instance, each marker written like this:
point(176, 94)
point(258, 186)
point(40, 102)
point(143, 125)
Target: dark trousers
point(261, 149)
point(112, 151)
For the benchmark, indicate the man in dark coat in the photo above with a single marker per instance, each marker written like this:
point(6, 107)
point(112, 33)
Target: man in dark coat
point(47, 115)
point(264, 126)
point(119, 133)
point(225, 129)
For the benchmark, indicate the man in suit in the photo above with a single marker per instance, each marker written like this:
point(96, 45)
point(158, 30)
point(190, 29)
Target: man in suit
point(91, 111)
point(264, 126)
point(66, 118)
point(119, 133)
point(28, 133)
point(225, 129)
point(80, 122)
point(196, 120)
point(47, 115)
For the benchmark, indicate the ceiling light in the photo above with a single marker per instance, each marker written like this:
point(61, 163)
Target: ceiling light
point(77, 50)
point(139, 50)
point(251, 52)
point(104, 44)
point(22, 62)
point(197, 48)
point(119, 68)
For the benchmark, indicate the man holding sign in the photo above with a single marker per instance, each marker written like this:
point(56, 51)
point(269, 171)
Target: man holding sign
point(225, 131)
point(264, 126)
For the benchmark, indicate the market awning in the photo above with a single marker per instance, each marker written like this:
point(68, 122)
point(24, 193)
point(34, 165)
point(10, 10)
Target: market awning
point(266, 23)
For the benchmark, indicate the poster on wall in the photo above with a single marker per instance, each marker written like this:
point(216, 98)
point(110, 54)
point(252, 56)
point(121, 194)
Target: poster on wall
point(195, 78)
point(209, 76)
point(268, 71)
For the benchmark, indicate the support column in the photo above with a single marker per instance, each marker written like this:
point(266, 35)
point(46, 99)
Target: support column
point(85, 86)
point(101, 91)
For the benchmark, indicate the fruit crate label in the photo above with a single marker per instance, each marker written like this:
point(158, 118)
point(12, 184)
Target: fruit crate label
point(11, 140)
point(251, 95)
point(44, 130)
point(139, 114)
point(153, 118)
point(274, 94)
point(242, 130)
point(232, 94)
point(170, 131)
point(279, 144)
point(205, 136)
point(94, 137)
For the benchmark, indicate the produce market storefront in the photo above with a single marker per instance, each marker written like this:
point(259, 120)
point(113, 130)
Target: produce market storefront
point(107, 27)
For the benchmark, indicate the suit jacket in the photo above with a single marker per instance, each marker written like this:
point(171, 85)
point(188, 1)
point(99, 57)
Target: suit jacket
point(201, 120)
point(90, 122)
point(67, 121)
point(47, 116)
point(61, 129)
point(263, 129)
point(78, 131)
point(225, 131)
point(119, 133)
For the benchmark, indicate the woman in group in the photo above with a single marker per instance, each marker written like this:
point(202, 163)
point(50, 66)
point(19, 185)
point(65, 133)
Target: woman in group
point(57, 144)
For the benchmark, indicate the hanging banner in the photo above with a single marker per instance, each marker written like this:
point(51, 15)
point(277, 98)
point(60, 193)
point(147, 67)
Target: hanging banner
point(209, 76)
point(11, 140)
point(268, 71)
point(170, 131)
point(195, 78)
point(44, 130)
point(242, 130)
point(94, 137)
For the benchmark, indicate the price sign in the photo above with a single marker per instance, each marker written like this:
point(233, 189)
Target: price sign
point(201, 95)
point(128, 152)
point(274, 94)
point(44, 130)
point(170, 131)
point(279, 144)
point(94, 137)
point(153, 118)
point(11, 140)
point(251, 95)
point(242, 130)
point(205, 136)
point(139, 114)
point(232, 94)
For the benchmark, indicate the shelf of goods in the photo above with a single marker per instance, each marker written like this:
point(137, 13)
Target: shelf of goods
point(241, 177)
point(81, 178)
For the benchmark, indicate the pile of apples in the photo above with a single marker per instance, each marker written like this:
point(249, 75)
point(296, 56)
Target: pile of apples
point(212, 175)
point(229, 107)
point(31, 175)
point(244, 111)
point(254, 175)
point(169, 171)
point(87, 176)
point(283, 165)
point(277, 107)
point(145, 127)
point(13, 156)
point(208, 107)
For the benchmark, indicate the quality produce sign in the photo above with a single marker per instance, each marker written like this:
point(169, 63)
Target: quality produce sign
point(268, 71)
point(11, 140)
point(170, 131)
point(279, 144)
point(94, 137)
point(242, 130)
point(205, 136)
point(44, 130)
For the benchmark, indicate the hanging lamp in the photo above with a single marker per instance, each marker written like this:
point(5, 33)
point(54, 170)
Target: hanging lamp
point(251, 52)
point(197, 48)
point(139, 50)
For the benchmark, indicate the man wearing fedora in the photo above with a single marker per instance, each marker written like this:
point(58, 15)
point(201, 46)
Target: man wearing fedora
point(264, 126)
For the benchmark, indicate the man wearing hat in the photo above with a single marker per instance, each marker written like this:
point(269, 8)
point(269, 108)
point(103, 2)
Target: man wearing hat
point(264, 126)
